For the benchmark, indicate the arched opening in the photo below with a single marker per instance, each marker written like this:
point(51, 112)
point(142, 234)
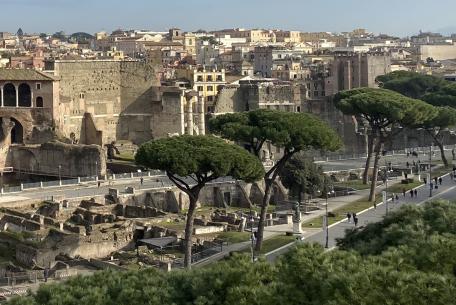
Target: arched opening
point(9, 95)
point(17, 133)
point(25, 95)
point(39, 102)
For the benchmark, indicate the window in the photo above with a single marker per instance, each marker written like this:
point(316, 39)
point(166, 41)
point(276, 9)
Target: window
point(315, 93)
point(323, 93)
point(39, 102)
point(81, 95)
point(210, 98)
point(210, 88)
point(298, 109)
point(200, 88)
point(38, 86)
point(209, 78)
point(219, 78)
point(199, 78)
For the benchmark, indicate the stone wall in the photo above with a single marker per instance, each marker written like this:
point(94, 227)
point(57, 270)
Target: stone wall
point(75, 160)
point(117, 93)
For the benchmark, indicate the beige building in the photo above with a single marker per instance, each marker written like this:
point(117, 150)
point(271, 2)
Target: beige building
point(252, 36)
point(288, 36)
point(207, 83)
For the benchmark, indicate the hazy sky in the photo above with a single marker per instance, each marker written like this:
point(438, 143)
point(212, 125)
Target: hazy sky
point(399, 17)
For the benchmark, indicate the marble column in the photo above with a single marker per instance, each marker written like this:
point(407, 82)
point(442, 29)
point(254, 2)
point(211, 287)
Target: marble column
point(17, 95)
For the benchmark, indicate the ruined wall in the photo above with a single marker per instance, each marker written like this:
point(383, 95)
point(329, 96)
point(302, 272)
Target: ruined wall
point(230, 99)
point(116, 93)
point(75, 160)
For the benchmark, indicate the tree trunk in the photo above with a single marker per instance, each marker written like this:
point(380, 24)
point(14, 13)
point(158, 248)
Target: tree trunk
point(442, 153)
point(378, 149)
point(188, 243)
point(264, 209)
point(370, 148)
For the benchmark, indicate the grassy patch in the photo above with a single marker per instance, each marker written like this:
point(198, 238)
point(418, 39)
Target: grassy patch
point(234, 237)
point(357, 206)
point(356, 184)
point(172, 225)
point(275, 243)
point(125, 156)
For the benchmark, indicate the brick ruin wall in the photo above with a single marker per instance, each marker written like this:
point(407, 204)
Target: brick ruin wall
point(118, 94)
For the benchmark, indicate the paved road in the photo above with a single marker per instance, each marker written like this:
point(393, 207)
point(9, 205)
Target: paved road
point(396, 160)
point(445, 191)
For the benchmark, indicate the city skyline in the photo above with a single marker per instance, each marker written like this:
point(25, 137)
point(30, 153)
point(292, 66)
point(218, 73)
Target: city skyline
point(55, 15)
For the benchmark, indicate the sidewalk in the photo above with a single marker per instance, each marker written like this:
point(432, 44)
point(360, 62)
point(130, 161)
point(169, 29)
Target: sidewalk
point(371, 215)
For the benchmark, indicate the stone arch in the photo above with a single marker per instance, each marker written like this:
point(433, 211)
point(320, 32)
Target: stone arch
point(17, 133)
point(39, 102)
point(25, 95)
point(9, 95)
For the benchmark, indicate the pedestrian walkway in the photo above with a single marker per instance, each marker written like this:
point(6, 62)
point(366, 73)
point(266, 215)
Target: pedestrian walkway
point(371, 215)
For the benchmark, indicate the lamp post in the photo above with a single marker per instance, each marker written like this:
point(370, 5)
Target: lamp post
point(252, 236)
point(60, 176)
point(327, 222)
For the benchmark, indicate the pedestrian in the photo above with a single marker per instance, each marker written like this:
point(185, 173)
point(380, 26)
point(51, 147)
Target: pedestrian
point(425, 180)
point(141, 180)
point(393, 197)
point(415, 192)
point(440, 180)
point(353, 215)
point(414, 164)
point(403, 192)
point(405, 175)
point(411, 193)
point(46, 274)
point(397, 198)
point(451, 176)
point(431, 185)
point(349, 217)
point(435, 180)
point(408, 164)
point(408, 154)
point(375, 205)
point(355, 220)
point(98, 183)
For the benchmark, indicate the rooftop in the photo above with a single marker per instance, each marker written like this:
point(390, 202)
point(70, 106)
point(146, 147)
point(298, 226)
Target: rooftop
point(24, 74)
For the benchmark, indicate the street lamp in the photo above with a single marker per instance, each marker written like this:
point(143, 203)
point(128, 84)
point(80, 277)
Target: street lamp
point(388, 169)
point(252, 236)
point(60, 176)
point(327, 222)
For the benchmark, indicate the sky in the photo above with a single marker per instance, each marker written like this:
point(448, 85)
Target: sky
point(396, 17)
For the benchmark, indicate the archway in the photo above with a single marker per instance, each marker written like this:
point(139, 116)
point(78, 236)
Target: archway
point(25, 95)
point(39, 102)
point(17, 133)
point(9, 95)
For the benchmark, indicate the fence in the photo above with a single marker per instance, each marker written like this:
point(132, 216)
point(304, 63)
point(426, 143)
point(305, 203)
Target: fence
point(340, 157)
point(76, 181)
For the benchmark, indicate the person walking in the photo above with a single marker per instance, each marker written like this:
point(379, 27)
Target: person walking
point(98, 184)
point(141, 180)
point(349, 217)
point(440, 180)
point(425, 180)
point(451, 176)
point(435, 180)
point(355, 220)
point(397, 198)
point(408, 164)
point(415, 192)
point(403, 191)
point(411, 193)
